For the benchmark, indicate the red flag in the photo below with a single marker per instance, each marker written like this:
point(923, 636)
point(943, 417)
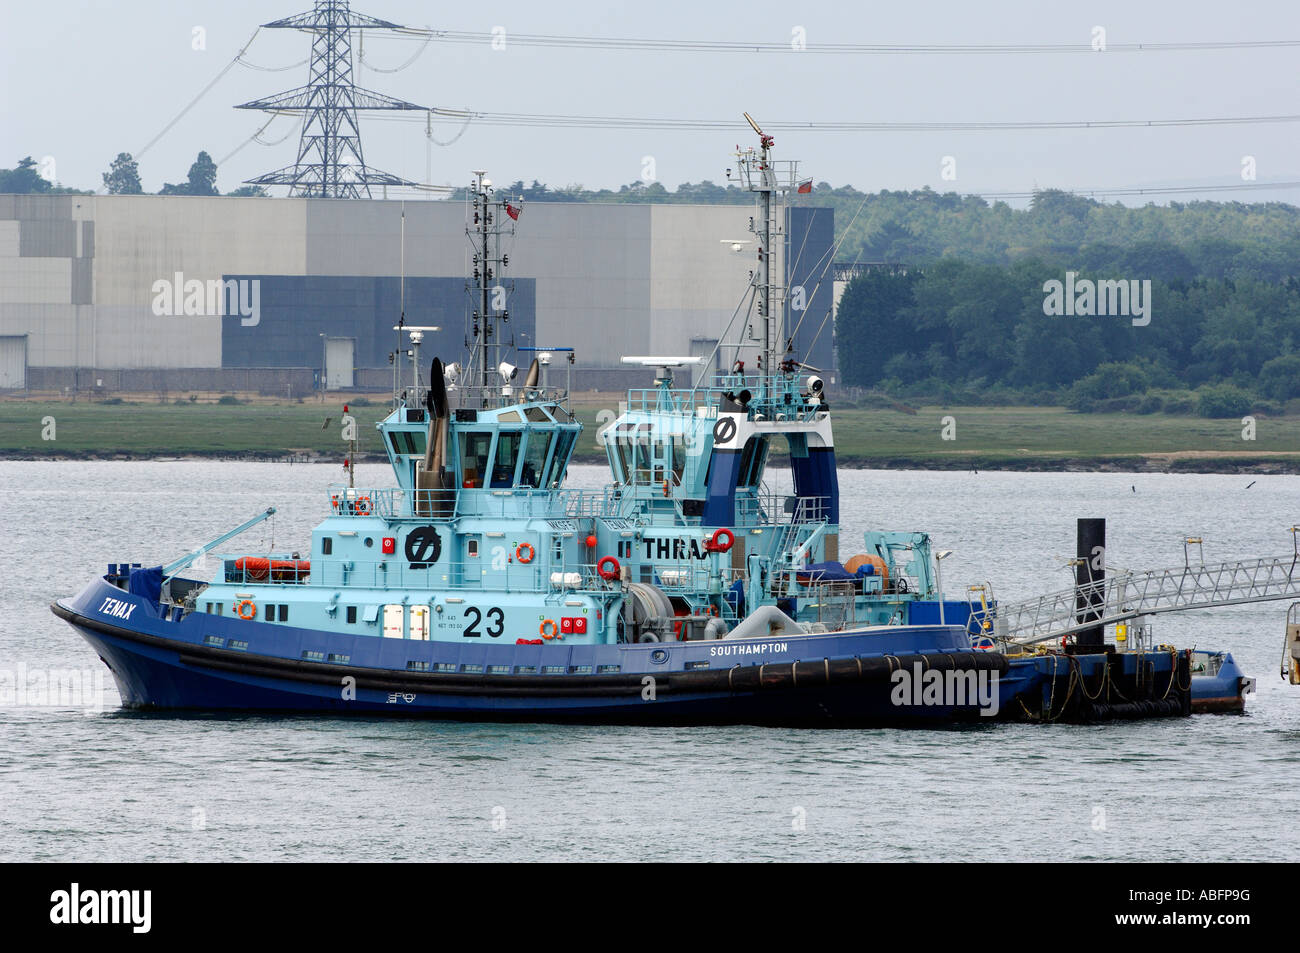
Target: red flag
point(512, 211)
point(805, 186)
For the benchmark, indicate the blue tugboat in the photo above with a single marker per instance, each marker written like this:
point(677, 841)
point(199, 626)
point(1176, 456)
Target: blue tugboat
point(479, 586)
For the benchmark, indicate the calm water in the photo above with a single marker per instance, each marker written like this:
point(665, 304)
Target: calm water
point(115, 786)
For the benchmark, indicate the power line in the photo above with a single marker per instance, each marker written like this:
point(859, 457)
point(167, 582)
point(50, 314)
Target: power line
point(561, 121)
point(669, 45)
point(361, 56)
point(203, 92)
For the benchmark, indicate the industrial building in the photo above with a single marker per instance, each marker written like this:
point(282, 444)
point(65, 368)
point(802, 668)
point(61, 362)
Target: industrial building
point(140, 293)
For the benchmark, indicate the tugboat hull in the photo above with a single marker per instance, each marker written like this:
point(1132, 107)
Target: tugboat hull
point(842, 678)
point(865, 677)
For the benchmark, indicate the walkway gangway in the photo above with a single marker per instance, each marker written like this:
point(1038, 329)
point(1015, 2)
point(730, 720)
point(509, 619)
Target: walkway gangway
point(1131, 595)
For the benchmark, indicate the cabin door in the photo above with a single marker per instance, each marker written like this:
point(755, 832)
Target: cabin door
point(420, 623)
point(393, 619)
point(470, 563)
point(660, 460)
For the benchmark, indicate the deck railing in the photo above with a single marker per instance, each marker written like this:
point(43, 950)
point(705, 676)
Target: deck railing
point(1130, 595)
point(513, 503)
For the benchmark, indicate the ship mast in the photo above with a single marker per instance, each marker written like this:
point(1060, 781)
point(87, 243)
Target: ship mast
point(485, 226)
point(769, 180)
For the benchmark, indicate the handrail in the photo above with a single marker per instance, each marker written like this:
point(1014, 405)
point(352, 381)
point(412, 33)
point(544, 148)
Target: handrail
point(1128, 595)
point(522, 502)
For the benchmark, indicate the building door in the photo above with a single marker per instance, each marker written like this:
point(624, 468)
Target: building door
point(13, 362)
point(339, 356)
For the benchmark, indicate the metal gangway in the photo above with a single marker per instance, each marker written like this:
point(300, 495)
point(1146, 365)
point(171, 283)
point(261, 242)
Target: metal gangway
point(1130, 595)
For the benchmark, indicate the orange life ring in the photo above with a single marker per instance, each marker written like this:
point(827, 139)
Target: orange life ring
point(362, 506)
point(549, 630)
point(250, 606)
point(715, 541)
point(666, 488)
point(609, 575)
point(519, 553)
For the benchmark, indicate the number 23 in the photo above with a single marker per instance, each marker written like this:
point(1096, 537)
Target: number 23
point(496, 615)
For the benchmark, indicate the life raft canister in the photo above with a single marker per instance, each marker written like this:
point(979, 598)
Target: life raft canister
point(607, 568)
point(524, 552)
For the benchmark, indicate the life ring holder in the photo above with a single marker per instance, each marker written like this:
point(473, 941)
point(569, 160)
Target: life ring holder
point(716, 543)
point(246, 604)
point(609, 575)
point(521, 549)
point(549, 630)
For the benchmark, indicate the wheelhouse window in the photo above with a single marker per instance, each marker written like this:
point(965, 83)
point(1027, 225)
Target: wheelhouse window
point(506, 462)
point(560, 458)
point(633, 444)
point(408, 441)
point(475, 448)
point(535, 451)
point(752, 460)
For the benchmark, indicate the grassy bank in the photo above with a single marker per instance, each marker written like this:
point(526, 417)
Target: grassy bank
point(1022, 438)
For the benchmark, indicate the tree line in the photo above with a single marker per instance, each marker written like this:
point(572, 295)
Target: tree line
point(963, 331)
point(122, 178)
point(952, 301)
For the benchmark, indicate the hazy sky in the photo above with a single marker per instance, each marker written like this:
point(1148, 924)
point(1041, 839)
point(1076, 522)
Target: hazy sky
point(86, 80)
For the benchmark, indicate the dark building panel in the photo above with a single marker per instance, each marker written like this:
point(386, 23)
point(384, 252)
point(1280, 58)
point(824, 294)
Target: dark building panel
point(83, 281)
point(42, 238)
point(810, 234)
point(295, 310)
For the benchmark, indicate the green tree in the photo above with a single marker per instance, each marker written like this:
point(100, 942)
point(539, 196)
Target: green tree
point(1223, 400)
point(1280, 377)
point(202, 179)
point(25, 179)
point(870, 324)
point(123, 176)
